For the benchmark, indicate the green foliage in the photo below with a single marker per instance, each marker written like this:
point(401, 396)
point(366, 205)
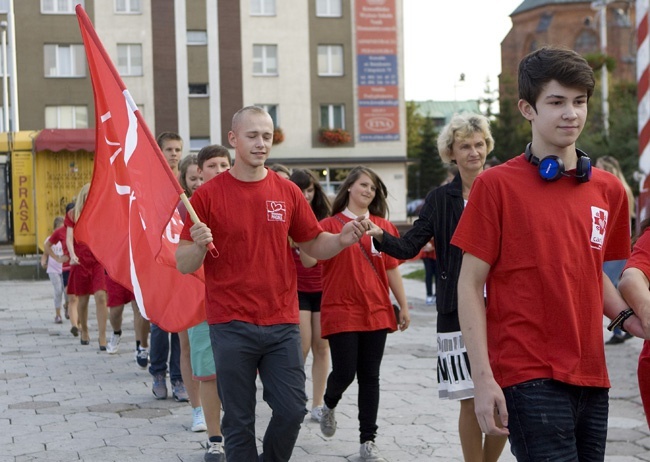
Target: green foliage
point(511, 132)
point(418, 275)
point(426, 170)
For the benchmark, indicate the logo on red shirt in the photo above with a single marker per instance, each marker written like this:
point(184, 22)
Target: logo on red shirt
point(276, 211)
point(598, 227)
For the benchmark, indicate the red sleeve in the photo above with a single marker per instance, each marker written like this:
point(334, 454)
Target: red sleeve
point(640, 258)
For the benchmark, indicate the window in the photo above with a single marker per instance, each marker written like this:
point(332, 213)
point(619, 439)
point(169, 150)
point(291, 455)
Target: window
point(129, 59)
point(196, 144)
point(332, 116)
point(198, 89)
point(64, 60)
point(330, 60)
point(272, 109)
point(60, 6)
point(587, 42)
point(265, 60)
point(66, 117)
point(328, 8)
point(128, 6)
point(197, 37)
point(262, 7)
point(4, 6)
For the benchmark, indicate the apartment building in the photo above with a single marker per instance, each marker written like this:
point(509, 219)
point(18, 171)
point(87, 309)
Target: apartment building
point(330, 73)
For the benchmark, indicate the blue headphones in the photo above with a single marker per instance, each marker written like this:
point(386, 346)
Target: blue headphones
point(551, 168)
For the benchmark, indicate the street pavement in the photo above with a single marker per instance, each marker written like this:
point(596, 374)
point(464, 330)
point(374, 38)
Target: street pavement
point(62, 401)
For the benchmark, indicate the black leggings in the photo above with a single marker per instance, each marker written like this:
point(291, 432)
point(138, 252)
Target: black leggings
point(357, 353)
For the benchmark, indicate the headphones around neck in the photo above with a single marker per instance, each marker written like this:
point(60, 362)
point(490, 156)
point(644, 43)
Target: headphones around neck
point(551, 168)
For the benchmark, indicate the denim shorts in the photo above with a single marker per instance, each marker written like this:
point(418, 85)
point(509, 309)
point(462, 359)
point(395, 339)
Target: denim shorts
point(554, 421)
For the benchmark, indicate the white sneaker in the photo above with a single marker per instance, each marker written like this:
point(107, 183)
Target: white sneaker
point(430, 300)
point(369, 452)
point(142, 357)
point(198, 420)
point(113, 344)
point(317, 413)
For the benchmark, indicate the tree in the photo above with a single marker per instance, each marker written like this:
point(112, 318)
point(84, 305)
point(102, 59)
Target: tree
point(426, 170)
point(511, 132)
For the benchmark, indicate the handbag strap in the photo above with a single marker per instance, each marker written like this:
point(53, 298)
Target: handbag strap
point(365, 254)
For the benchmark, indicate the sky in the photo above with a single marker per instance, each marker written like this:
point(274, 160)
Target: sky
point(446, 38)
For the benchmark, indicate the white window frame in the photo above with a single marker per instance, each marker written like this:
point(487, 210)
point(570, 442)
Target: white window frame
point(197, 37)
point(196, 144)
point(74, 117)
point(131, 69)
point(263, 8)
point(328, 66)
point(264, 58)
point(75, 50)
point(329, 123)
point(199, 95)
point(328, 8)
point(274, 112)
point(130, 7)
point(52, 6)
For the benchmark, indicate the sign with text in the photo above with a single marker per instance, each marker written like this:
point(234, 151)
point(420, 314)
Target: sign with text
point(377, 70)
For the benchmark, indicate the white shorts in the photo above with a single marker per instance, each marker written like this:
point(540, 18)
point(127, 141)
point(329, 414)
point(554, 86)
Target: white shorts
point(454, 379)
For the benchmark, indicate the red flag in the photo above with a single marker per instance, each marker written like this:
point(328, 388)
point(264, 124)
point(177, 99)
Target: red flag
point(130, 220)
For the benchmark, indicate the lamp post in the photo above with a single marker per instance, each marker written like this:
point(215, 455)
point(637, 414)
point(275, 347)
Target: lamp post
point(5, 88)
point(601, 7)
point(14, 73)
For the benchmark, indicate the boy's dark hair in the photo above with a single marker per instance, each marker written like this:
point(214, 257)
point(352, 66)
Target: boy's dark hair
point(213, 150)
point(551, 63)
point(164, 136)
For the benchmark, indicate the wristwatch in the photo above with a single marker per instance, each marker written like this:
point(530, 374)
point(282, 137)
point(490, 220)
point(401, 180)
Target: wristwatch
point(620, 319)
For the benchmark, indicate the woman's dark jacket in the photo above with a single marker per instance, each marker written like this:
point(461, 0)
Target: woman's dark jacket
point(438, 219)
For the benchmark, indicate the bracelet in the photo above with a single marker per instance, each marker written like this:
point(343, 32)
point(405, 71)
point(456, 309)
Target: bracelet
point(620, 319)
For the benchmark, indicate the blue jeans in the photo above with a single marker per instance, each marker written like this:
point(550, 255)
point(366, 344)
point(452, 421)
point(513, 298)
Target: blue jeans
point(554, 421)
point(159, 346)
point(241, 350)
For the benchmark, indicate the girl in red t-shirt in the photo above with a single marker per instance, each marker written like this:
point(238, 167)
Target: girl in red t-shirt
point(87, 276)
point(310, 292)
point(356, 310)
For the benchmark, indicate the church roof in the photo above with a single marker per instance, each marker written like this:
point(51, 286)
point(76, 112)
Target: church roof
point(527, 5)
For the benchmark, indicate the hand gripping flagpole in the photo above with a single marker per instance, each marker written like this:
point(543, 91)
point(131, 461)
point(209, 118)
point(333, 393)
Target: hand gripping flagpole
point(87, 25)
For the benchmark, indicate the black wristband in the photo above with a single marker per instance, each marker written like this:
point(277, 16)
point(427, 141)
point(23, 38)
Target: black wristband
point(620, 319)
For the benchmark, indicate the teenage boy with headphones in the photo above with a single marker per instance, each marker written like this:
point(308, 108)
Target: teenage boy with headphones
point(538, 229)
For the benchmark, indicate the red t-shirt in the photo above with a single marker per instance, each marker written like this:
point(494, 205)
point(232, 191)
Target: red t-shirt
point(355, 299)
point(254, 278)
point(86, 257)
point(310, 280)
point(59, 235)
point(640, 259)
point(546, 243)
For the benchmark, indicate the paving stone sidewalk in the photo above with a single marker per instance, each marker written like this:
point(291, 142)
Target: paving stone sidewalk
point(62, 401)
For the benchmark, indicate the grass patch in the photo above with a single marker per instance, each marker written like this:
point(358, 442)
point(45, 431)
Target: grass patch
point(417, 275)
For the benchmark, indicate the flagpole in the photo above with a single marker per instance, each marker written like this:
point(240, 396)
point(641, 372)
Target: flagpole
point(92, 34)
point(195, 219)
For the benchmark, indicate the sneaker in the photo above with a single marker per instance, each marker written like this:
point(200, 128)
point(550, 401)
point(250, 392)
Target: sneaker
point(159, 388)
point(179, 392)
point(215, 452)
point(369, 451)
point(327, 422)
point(142, 357)
point(57, 319)
point(429, 301)
point(317, 413)
point(618, 338)
point(113, 344)
point(198, 420)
